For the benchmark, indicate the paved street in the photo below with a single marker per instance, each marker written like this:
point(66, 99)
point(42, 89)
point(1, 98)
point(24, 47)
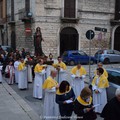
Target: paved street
point(20, 105)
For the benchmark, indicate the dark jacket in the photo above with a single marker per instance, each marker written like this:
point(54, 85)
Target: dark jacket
point(65, 109)
point(81, 114)
point(111, 111)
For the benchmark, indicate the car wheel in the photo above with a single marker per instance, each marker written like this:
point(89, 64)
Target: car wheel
point(71, 63)
point(106, 61)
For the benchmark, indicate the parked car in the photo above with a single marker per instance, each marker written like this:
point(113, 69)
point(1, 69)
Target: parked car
point(114, 81)
point(107, 56)
point(7, 48)
point(72, 57)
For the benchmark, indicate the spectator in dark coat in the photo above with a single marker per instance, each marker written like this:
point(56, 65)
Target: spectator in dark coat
point(111, 111)
point(65, 97)
point(83, 107)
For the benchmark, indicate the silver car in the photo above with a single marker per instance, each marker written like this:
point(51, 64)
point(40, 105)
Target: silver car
point(114, 81)
point(107, 56)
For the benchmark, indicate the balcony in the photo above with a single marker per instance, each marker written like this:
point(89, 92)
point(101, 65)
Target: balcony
point(2, 22)
point(115, 22)
point(10, 19)
point(69, 16)
point(25, 16)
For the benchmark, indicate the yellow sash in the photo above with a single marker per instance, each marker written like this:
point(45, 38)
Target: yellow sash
point(21, 66)
point(59, 93)
point(81, 70)
point(81, 101)
point(103, 81)
point(49, 83)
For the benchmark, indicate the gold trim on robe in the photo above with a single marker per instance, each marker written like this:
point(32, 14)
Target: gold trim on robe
point(81, 70)
point(103, 81)
point(61, 64)
point(104, 73)
point(49, 83)
point(38, 68)
point(21, 66)
point(81, 101)
point(59, 93)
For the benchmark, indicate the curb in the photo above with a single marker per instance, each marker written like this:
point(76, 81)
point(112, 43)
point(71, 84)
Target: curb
point(25, 107)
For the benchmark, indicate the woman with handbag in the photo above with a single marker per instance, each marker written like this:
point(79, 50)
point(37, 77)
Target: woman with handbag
point(10, 72)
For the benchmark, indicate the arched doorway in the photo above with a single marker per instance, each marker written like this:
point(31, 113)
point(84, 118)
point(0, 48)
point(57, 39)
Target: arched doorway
point(117, 39)
point(68, 39)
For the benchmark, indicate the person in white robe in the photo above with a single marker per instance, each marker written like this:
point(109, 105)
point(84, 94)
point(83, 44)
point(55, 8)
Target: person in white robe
point(29, 68)
point(50, 107)
point(1, 73)
point(61, 70)
point(99, 85)
point(100, 65)
point(10, 69)
point(39, 79)
point(78, 74)
point(16, 64)
point(22, 75)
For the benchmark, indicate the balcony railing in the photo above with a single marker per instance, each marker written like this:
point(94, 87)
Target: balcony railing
point(25, 16)
point(10, 19)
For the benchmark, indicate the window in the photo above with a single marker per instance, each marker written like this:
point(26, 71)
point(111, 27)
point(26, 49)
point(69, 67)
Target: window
point(117, 52)
point(69, 8)
point(12, 10)
point(117, 10)
point(110, 52)
point(27, 6)
point(65, 54)
point(83, 53)
point(75, 54)
point(1, 9)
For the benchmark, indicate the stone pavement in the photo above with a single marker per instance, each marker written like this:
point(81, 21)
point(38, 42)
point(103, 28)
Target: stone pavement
point(13, 107)
point(20, 105)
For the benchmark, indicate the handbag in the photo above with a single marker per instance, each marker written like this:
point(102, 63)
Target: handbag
point(7, 75)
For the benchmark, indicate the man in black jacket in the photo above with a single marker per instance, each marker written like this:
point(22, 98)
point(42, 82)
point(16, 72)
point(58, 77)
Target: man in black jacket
point(111, 111)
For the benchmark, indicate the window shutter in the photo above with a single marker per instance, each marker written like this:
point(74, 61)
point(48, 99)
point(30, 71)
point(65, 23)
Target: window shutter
point(117, 10)
point(69, 8)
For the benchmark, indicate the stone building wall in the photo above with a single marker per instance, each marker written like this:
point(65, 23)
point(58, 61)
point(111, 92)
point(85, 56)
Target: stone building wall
point(47, 15)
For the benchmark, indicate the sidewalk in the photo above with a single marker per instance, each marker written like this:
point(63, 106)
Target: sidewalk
point(13, 107)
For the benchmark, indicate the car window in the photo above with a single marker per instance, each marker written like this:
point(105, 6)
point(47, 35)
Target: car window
point(82, 53)
point(75, 54)
point(99, 52)
point(117, 52)
point(65, 54)
point(114, 77)
point(110, 52)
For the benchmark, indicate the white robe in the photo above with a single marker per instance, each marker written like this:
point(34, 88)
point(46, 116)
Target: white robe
point(37, 88)
point(50, 107)
point(1, 74)
point(61, 75)
point(16, 64)
point(100, 98)
point(22, 79)
point(12, 71)
point(29, 73)
point(77, 84)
